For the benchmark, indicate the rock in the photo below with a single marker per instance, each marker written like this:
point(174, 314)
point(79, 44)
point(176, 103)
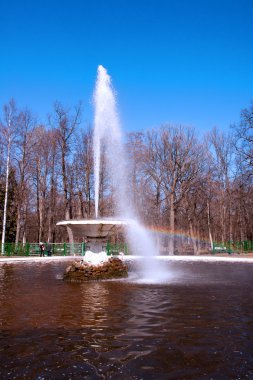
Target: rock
point(84, 271)
point(68, 269)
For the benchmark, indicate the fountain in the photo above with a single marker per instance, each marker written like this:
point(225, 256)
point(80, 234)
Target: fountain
point(197, 325)
point(108, 136)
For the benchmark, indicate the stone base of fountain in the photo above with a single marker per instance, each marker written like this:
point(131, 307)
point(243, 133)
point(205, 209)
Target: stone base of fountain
point(85, 271)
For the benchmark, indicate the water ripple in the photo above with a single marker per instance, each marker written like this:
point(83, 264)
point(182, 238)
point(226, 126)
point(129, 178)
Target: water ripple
point(197, 326)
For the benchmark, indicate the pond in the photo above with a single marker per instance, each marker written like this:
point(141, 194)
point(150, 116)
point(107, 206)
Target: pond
point(198, 325)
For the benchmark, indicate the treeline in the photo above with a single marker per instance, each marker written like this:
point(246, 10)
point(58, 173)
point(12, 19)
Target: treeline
point(201, 187)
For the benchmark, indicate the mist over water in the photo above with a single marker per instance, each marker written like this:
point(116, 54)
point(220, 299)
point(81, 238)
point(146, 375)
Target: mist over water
point(108, 139)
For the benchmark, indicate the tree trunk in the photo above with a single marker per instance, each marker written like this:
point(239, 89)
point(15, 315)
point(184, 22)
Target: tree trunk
point(24, 228)
point(195, 248)
point(18, 226)
point(24, 237)
point(6, 193)
point(88, 191)
point(40, 202)
point(80, 209)
point(172, 224)
point(209, 225)
point(51, 209)
point(51, 216)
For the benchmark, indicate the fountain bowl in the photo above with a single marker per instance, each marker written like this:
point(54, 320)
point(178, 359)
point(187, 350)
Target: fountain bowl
point(94, 228)
point(95, 232)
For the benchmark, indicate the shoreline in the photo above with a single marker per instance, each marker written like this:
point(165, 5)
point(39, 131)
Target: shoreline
point(247, 258)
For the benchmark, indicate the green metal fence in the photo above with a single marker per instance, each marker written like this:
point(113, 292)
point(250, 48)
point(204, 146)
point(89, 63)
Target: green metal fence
point(33, 249)
point(116, 249)
point(230, 247)
point(79, 249)
point(58, 249)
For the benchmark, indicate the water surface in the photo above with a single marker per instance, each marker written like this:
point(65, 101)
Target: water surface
point(199, 325)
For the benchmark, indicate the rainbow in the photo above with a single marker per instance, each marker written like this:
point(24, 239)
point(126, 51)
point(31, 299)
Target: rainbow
point(175, 233)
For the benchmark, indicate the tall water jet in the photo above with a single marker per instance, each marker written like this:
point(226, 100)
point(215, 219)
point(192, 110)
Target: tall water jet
point(105, 112)
point(108, 136)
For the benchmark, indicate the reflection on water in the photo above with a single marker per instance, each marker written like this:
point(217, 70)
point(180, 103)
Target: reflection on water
point(197, 326)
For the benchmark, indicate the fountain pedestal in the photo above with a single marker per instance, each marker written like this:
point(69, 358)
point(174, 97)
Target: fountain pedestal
point(96, 265)
point(84, 271)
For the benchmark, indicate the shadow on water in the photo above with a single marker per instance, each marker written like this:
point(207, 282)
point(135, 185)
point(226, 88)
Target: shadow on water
point(196, 326)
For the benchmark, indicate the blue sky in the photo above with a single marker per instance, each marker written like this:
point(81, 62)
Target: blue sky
point(171, 61)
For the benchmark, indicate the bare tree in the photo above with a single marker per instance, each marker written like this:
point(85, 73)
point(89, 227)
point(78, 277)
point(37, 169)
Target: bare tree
point(173, 164)
point(106, 204)
point(65, 124)
point(153, 176)
point(53, 150)
point(244, 139)
point(83, 169)
point(9, 133)
point(40, 166)
point(221, 148)
point(23, 159)
point(136, 150)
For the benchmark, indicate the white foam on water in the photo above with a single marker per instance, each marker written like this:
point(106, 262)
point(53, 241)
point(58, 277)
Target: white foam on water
point(95, 258)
